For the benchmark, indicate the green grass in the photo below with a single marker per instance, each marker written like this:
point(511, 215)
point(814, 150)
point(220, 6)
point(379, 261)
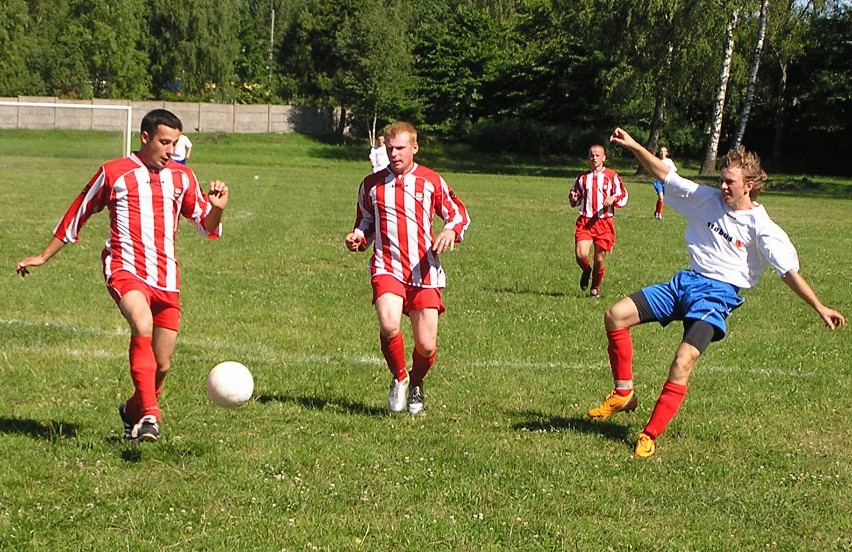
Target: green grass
point(758, 457)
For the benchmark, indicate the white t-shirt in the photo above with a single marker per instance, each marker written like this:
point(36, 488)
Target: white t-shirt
point(181, 146)
point(379, 158)
point(730, 246)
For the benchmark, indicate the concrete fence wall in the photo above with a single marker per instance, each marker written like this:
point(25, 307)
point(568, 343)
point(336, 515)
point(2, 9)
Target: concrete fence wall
point(196, 117)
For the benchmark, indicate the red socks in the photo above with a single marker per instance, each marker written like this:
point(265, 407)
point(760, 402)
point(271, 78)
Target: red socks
point(394, 351)
point(620, 349)
point(597, 275)
point(143, 371)
point(667, 406)
point(659, 209)
point(420, 366)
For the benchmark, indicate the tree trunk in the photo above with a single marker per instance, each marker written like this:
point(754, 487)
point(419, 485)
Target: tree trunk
point(341, 123)
point(659, 117)
point(777, 148)
point(372, 130)
point(752, 75)
point(709, 165)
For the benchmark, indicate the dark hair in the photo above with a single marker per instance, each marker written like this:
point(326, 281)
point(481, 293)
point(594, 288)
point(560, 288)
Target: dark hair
point(158, 117)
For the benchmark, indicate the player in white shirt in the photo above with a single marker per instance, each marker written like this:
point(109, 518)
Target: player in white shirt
point(659, 187)
point(183, 149)
point(730, 240)
point(379, 155)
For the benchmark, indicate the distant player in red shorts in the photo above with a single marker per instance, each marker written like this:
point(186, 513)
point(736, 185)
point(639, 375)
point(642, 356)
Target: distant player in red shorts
point(145, 194)
point(597, 192)
point(396, 206)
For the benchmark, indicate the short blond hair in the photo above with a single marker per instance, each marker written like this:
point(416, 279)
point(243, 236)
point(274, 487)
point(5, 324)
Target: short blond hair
point(749, 163)
point(401, 127)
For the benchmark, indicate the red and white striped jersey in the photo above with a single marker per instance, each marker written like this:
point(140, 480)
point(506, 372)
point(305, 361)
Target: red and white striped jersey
point(594, 187)
point(397, 213)
point(143, 217)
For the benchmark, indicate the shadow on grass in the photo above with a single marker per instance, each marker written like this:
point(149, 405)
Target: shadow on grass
point(519, 291)
point(164, 448)
point(317, 403)
point(536, 421)
point(49, 431)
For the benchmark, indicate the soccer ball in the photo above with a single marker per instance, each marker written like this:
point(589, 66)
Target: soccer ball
point(229, 384)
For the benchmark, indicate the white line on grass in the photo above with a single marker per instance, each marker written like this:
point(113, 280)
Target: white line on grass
point(258, 354)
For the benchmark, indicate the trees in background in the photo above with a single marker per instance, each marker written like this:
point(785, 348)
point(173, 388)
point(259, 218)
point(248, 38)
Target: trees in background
point(193, 47)
point(708, 166)
point(531, 76)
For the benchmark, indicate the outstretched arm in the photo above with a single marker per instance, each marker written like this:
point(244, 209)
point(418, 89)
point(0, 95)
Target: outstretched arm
point(800, 287)
point(37, 260)
point(652, 163)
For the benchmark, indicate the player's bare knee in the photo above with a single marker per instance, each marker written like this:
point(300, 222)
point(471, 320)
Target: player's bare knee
point(623, 314)
point(610, 319)
point(142, 328)
point(425, 350)
point(389, 331)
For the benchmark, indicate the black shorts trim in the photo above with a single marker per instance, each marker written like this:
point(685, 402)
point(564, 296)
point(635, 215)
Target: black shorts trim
point(645, 312)
point(699, 333)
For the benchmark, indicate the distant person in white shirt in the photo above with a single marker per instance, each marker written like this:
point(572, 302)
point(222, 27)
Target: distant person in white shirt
point(659, 187)
point(379, 155)
point(730, 239)
point(183, 149)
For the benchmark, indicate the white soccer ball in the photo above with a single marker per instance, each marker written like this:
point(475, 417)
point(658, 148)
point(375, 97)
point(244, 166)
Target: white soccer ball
point(230, 384)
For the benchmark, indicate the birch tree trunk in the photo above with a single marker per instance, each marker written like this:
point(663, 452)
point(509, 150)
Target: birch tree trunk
point(371, 132)
point(659, 117)
point(709, 165)
point(752, 75)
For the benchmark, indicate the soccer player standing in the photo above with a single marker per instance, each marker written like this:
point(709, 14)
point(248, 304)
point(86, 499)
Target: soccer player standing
point(379, 155)
point(659, 188)
point(598, 192)
point(395, 210)
point(144, 193)
point(730, 239)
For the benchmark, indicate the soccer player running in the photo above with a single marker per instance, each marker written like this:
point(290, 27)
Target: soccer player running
point(395, 210)
point(730, 240)
point(598, 192)
point(144, 194)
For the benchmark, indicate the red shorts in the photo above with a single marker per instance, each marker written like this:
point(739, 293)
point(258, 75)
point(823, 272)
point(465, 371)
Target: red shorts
point(600, 231)
point(413, 297)
point(165, 305)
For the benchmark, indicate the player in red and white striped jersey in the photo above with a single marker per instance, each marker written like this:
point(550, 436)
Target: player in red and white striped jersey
point(597, 192)
point(145, 194)
point(395, 210)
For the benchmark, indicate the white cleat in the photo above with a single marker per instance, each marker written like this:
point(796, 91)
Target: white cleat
point(415, 399)
point(397, 394)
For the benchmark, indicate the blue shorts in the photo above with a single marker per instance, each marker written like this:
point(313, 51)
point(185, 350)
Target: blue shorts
point(690, 296)
point(659, 187)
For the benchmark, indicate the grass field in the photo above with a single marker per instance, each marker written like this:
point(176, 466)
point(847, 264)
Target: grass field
point(759, 457)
